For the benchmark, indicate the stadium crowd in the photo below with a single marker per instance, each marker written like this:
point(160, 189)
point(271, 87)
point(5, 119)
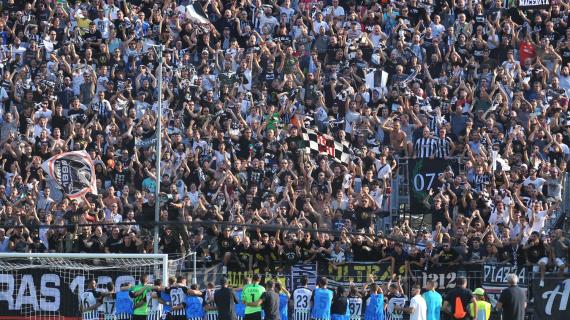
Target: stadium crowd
point(485, 82)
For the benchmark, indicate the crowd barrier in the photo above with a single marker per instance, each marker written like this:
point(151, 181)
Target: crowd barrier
point(19, 288)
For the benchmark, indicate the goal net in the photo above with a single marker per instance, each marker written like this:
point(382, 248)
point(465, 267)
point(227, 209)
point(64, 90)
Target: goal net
point(48, 285)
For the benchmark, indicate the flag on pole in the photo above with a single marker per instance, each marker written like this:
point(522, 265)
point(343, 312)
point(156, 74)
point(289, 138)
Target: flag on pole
point(196, 13)
point(73, 172)
point(323, 144)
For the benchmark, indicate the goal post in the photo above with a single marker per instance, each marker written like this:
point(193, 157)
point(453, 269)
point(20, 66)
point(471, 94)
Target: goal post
point(44, 286)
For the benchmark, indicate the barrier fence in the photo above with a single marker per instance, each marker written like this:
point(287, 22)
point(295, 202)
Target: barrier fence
point(549, 302)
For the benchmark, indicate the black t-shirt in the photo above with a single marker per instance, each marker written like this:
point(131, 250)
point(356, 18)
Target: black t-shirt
point(243, 253)
point(364, 217)
point(465, 295)
point(271, 305)
point(305, 248)
point(359, 252)
point(437, 215)
point(226, 300)
point(290, 255)
point(399, 259)
point(226, 244)
point(93, 36)
point(448, 256)
point(339, 305)
point(245, 148)
point(513, 300)
point(78, 115)
point(114, 245)
point(536, 252)
point(171, 245)
point(414, 258)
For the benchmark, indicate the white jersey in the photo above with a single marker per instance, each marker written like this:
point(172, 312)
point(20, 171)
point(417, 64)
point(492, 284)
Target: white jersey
point(355, 308)
point(154, 307)
point(107, 308)
point(393, 301)
point(208, 297)
point(88, 299)
point(177, 297)
point(302, 303)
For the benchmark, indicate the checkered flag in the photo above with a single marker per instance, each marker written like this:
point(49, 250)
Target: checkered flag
point(323, 144)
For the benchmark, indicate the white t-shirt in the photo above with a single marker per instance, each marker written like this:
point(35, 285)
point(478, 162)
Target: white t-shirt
point(336, 12)
point(539, 220)
point(420, 308)
point(497, 217)
point(384, 170)
point(537, 183)
point(437, 29)
point(318, 24)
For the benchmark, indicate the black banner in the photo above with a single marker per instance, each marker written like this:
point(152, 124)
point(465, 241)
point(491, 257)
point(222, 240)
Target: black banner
point(424, 175)
point(533, 4)
point(38, 292)
point(494, 279)
point(445, 276)
point(357, 272)
point(551, 301)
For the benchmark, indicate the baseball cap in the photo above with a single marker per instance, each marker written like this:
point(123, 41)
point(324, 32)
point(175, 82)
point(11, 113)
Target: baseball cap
point(479, 292)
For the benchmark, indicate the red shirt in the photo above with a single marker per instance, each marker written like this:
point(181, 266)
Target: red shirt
point(526, 50)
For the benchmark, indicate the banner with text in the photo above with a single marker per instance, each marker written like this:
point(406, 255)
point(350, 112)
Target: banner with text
point(358, 272)
point(38, 292)
point(533, 4)
point(495, 279)
point(551, 301)
point(424, 174)
point(445, 276)
point(237, 279)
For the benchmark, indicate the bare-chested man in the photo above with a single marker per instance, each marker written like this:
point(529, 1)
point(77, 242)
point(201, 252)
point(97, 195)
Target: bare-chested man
point(397, 136)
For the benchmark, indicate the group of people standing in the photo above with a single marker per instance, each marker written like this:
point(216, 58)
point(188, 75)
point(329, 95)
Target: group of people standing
point(272, 301)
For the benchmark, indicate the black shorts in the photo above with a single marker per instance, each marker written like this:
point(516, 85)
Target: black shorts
point(177, 317)
point(253, 316)
point(138, 317)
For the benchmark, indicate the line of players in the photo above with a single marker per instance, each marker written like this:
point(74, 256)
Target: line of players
point(178, 301)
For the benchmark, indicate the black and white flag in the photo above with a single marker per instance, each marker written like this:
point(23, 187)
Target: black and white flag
point(145, 142)
point(73, 172)
point(195, 13)
point(318, 143)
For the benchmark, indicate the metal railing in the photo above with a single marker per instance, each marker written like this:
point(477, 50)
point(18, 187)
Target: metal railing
point(563, 220)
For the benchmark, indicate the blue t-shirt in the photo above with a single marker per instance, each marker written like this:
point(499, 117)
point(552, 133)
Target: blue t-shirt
point(240, 307)
point(322, 303)
point(375, 307)
point(123, 303)
point(433, 302)
point(194, 307)
point(166, 298)
point(283, 305)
